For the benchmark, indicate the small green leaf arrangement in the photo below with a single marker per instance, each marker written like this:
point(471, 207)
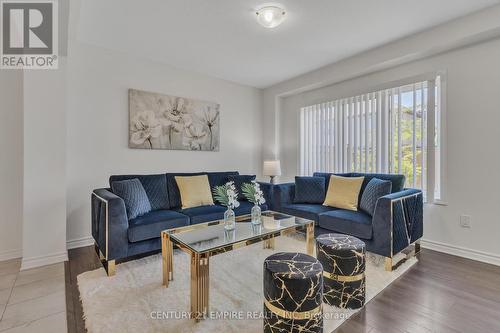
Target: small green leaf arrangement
point(253, 193)
point(227, 195)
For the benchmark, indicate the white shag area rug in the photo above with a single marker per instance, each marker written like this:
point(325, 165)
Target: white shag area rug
point(134, 300)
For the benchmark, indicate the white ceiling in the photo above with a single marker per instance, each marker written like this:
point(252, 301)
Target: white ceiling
point(222, 38)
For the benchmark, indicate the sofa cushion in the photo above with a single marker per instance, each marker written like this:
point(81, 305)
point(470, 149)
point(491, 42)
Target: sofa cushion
point(220, 178)
point(375, 189)
point(328, 175)
point(133, 194)
point(398, 181)
point(173, 190)
point(240, 180)
point(194, 191)
point(307, 211)
point(357, 224)
point(343, 192)
point(309, 190)
point(150, 225)
point(154, 185)
point(204, 213)
point(246, 207)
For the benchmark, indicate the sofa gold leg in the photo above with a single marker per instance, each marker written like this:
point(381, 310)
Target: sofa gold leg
point(388, 264)
point(111, 268)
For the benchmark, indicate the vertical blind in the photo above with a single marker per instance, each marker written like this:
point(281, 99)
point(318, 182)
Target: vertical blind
point(393, 130)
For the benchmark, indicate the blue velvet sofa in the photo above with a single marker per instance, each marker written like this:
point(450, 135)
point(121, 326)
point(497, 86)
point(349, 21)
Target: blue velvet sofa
point(396, 223)
point(117, 237)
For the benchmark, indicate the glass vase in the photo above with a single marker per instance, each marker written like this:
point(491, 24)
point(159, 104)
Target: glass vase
point(256, 214)
point(229, 236)
point(229, 219)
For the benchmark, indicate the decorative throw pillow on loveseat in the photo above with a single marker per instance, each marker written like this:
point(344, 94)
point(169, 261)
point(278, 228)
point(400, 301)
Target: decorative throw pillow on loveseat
point(240, 180)
point(375, 189)
point(343, 192)
point(154, 185)
point(194, 191)
point(310, 190)
point(133, 194)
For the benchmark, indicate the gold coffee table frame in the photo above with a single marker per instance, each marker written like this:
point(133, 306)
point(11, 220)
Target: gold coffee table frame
point(200, 261)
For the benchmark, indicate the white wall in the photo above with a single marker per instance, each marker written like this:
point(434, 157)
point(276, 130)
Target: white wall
point(44, 204)
point(11, 163)
point(473, 117)
point(97, 125)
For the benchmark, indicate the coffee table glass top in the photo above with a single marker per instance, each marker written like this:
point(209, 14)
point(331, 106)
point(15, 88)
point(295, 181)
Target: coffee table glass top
point(211, 236)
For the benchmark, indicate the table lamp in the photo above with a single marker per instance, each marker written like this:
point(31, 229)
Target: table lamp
point(272, 169)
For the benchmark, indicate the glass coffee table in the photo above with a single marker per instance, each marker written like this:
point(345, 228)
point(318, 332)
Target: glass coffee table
point(201, 241)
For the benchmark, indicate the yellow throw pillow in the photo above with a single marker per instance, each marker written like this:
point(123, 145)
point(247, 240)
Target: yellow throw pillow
point(343, 192)
point(195, 191)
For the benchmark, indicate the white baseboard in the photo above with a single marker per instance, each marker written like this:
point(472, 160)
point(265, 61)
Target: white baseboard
point(79, 242)
point(463, 252)
point(11, 254)
point(34, 262)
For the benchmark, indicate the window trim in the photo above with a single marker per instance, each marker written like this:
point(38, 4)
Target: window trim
point(443, 135)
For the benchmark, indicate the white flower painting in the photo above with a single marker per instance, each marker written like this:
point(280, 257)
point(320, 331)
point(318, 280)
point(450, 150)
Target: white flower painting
point(160, 121)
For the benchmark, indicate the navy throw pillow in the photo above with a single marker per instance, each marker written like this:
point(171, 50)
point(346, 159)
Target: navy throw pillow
point(240, 180)
point(155, 187)
point(309, 190)
point(375, 189)
point(133, 194)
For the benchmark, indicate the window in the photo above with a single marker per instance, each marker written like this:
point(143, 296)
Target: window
point(395, 130)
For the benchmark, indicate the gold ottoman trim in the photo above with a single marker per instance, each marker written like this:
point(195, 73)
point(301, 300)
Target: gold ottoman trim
point(343, 278)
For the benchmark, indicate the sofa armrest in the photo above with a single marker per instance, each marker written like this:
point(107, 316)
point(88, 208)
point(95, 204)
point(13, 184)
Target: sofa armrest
point(109, 223)
point(267, 189)
point(398, 221)
point(283, 195)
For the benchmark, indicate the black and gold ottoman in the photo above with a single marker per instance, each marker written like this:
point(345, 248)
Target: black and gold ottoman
point(293, 292)
point(343, 260)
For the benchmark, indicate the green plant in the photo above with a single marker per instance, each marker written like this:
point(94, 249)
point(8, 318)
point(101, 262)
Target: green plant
point(220, 194)
point(227, 195)
point(253, 193)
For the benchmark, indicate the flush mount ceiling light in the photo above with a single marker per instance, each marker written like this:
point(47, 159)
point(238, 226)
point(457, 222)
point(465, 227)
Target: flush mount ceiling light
point(271, 16)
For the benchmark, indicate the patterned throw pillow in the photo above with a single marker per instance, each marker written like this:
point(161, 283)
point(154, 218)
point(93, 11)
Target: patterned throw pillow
point(375, 189)
point(240, 180)
point(133, 194)
point(154, 185)
point(309, 190)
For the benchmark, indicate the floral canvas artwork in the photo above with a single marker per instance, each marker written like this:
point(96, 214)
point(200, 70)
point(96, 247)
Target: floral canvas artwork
point(160, 121)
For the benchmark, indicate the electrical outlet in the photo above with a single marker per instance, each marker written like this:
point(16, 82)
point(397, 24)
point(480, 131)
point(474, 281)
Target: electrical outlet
point(465, 221)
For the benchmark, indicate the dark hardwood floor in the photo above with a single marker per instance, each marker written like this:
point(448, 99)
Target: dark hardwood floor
point(80, 260)
point(441, 293)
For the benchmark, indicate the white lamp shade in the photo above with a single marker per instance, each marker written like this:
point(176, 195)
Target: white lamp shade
point(272, 168)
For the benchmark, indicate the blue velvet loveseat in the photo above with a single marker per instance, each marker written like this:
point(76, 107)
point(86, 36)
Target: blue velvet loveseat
point(397, 221)
point(117, 237)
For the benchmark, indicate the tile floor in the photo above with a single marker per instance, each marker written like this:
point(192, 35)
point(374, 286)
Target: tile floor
point(32, 300)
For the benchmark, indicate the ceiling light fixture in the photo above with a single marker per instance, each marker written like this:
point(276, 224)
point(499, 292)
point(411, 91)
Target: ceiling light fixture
point(271, 16)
